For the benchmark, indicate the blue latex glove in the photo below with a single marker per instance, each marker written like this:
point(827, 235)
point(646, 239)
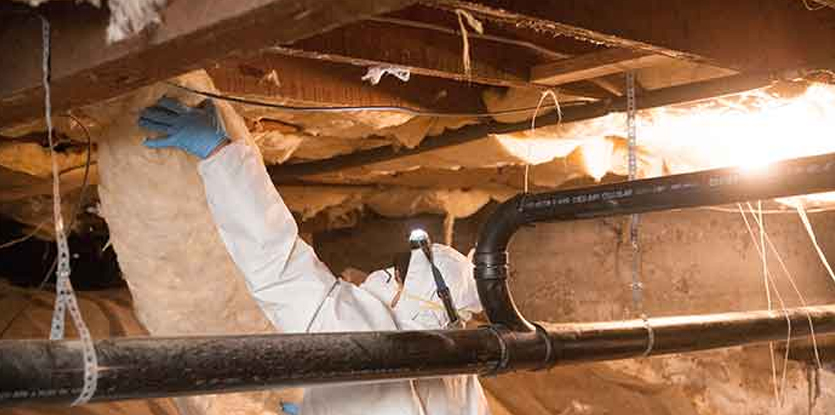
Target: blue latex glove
point(198, 130)
point(290, 408)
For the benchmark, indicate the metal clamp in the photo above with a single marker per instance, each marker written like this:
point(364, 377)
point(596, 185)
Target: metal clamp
point(501, 365)
point(549, 347)
point(650, 336)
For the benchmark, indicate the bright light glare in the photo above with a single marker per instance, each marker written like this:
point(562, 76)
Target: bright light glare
point(751, 131)
point(597, 156)
point(752, 138)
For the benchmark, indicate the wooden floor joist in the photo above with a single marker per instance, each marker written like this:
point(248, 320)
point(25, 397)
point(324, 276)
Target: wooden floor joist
point(741, 35)
point(422, 51)
point(428, 42)
point(86, 69)
point(593, 65)
point(324, 83)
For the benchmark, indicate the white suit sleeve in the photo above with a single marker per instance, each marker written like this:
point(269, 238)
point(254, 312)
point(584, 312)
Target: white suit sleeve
point(282, 272)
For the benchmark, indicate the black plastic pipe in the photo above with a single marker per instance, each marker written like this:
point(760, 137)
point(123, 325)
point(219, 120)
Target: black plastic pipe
point(52, 371)
point(711, 187)
point(41, 371)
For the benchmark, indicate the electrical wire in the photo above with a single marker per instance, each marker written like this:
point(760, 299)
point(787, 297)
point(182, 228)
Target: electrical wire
point(808, 225)
point(391, 108)
point(24, 238)
point(545, 94)
point(794, 286)
point(76, 209)
point(768, 280)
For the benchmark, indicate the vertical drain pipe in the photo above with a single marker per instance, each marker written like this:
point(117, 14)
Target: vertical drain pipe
point(711, 187)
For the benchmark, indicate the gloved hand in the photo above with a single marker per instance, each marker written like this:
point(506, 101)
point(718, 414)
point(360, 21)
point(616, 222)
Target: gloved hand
point(198, 130)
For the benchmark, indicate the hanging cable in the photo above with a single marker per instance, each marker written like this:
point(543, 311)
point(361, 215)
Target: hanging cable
point(24, 238)
point(792, 282)
point(392, 108)
point(764, 259)
point(769, 282)
point(76, 210)
point(545, 94)
point(808, 225)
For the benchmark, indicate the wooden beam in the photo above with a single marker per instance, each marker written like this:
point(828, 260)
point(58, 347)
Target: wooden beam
point(194, 34)
point(750, 35)
point(593, 65)
point(317, 82)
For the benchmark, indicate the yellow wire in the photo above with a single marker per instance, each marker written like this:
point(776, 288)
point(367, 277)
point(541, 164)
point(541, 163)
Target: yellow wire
point(799, 296)
point(545, 94)
point(779, 388)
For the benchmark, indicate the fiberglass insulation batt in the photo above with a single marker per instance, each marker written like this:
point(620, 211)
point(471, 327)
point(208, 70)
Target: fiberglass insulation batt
point(181, 278)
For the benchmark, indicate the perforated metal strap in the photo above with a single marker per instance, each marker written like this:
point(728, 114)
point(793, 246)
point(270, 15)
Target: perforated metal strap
point(636, 286)
point(65, 296)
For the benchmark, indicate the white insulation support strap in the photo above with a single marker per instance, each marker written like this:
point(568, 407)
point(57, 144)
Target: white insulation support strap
point(65, 296)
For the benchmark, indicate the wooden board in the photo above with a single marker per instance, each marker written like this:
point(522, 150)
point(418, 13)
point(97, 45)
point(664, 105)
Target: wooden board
point(743, 35)
point(593, 65)
point(195, 34)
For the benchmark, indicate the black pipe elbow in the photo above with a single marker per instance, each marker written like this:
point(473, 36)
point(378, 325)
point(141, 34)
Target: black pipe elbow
point(491, 269)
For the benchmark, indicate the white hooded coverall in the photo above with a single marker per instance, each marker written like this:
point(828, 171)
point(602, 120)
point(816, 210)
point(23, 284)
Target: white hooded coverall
point(299, 294)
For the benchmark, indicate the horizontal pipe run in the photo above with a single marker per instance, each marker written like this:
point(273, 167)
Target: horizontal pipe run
point(799, 176)
point(40, 371)
point(587, 342)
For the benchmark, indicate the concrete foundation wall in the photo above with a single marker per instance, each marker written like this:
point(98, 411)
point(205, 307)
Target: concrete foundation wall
point(694, 261)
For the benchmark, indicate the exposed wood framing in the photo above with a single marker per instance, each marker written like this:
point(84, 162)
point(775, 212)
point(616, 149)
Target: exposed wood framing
point(424, 52)
point(593, 65)
point(741, 34)
point(650, 99)
point(328, 83)
point(434, 50)
point(87, 70)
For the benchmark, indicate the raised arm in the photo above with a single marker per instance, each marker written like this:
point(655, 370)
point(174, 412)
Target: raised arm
point(282, 272)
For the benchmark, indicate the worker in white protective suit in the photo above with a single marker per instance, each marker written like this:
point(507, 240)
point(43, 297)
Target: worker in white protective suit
point(297, 292)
